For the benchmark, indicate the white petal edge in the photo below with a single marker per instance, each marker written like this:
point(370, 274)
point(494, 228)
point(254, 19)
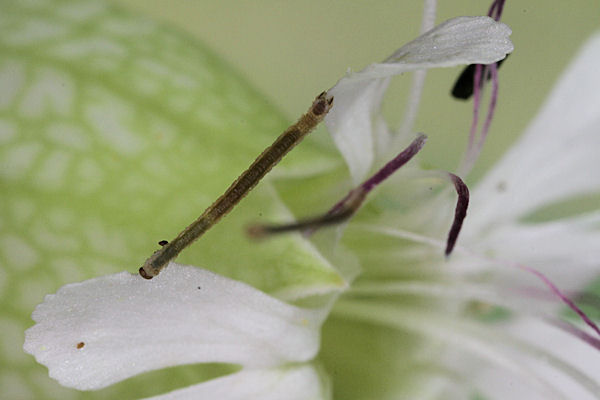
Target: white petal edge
point(300, 382)
point(566, 250)
point(129, 325)
point(461, 40)
point(565, 347)
point(557, 157)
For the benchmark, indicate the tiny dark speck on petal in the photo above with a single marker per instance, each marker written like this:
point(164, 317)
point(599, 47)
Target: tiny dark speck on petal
point(199, 287)
point(80, 345)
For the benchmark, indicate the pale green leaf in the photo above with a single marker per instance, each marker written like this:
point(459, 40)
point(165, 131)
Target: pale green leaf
point(117, 132)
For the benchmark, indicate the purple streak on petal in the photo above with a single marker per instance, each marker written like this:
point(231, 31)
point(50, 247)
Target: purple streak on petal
point(393, 165)
point(589, 299)
point(459, 213)
point(575, 331)
point(562, 296)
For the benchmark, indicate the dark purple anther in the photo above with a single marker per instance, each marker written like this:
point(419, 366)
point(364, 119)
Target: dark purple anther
point(464, 86)
point(459, 213)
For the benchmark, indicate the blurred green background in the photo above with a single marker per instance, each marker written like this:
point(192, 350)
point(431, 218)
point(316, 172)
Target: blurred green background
point(292, 50)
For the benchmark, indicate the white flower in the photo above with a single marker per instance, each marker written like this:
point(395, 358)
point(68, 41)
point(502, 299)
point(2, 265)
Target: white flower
point(101, 331)
point(104, 330)
point(510, 254)
point(463, 40)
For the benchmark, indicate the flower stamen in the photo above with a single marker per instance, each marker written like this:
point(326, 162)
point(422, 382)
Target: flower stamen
point(346, 207)
point(460, 212)
point(564, 298)
point(480, 73)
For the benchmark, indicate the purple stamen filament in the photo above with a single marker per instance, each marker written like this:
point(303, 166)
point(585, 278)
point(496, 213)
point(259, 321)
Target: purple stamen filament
point(346, 207)
point(495, 12)
point(576, 331)
point(479, 78)
point(395, 164)
point(554, 290)
point(570, 303)
point(476, 103)
point(493, 70)
point(496, 9)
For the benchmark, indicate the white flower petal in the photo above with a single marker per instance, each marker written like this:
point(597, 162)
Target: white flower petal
point(557, 157)
point(579, 376)
point(462, 40)
point(126, 325)
point(350, 122)
point(291, 383)
point(567, 251)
